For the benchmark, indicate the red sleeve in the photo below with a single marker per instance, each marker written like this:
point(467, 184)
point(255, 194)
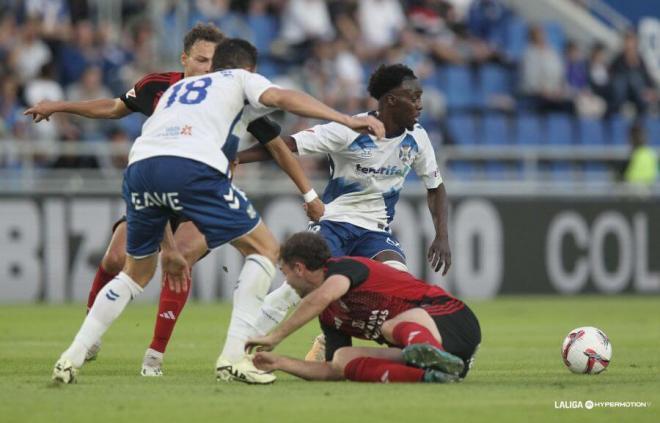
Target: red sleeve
point(144, 96)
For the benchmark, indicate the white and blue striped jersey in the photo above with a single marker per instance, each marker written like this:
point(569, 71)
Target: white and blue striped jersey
point(367, 174)
point(203, 118)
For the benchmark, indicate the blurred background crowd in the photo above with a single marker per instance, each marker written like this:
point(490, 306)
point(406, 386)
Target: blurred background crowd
point(491, 77)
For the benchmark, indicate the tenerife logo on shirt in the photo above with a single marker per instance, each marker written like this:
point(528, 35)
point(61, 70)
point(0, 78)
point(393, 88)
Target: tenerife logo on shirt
point(364, 144)
point(408, 150)
point(384, 171)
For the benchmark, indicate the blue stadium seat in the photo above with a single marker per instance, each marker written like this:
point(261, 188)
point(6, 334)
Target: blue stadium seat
point(493, 81)
point(653, 131)
point(559, 129)
point(458, 86)
point(463, 129)
point(591, 132)
point(528, 130)
point(495, 130)
point(618, 130)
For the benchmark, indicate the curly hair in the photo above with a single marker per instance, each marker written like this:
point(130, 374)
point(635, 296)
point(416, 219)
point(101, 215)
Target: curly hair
point(204, 32)
point(388, 77)
point(306, 247)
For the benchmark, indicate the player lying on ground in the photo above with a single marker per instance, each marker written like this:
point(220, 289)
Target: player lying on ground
point(436, 335)
point(214, 110)
point(366, 178)
point(198, 48)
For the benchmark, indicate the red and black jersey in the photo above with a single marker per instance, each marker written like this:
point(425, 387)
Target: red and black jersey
point(144, 96)
point(378, 293)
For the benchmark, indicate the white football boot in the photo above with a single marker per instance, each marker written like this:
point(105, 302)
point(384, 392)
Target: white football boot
point(242, 371)
point(64, 371)
point(152, 364)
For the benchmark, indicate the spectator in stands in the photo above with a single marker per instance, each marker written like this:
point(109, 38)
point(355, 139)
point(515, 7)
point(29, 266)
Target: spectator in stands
point(586, 103)
point(31, 53)
point(13, 124)
point(90, 87)
point(599, 74)
point(576, 68)
point(543, 81)
point(642, 166)
point(630, 78)
point(380, 21)
point(76, 55)
point(485, 18)
point(303, 22)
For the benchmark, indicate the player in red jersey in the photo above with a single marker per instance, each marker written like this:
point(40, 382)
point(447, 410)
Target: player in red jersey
point(198, 48)
point(432, 335)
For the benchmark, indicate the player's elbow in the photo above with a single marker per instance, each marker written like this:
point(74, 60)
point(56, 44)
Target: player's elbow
point(273, 97)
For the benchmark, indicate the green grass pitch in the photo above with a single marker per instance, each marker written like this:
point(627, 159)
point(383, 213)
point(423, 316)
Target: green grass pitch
point(518, 374)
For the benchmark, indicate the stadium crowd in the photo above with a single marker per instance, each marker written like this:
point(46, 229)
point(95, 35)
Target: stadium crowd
point(473, 56)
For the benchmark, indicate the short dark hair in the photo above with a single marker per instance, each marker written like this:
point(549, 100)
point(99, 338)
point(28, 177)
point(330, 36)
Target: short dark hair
point(204, 32)
point(306, 247)
point(234, 53)
point(388, 77)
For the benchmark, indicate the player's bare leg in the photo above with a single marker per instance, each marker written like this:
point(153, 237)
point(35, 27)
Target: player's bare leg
point(260, 250)
point(417, 334)
point(190, 243)
point(111, 264)
point(361, 364)
point(317, 352)
point(110, 303)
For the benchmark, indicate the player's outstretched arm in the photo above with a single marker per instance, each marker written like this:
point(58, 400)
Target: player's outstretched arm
point(439, 251)
point(282, 154)
point(259, 153)
point(305, 105)
point(308, 370)
point(103, 108)
point(310, 307)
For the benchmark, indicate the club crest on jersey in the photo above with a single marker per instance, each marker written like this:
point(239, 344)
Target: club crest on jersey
point(408, 150)
point(365, 145)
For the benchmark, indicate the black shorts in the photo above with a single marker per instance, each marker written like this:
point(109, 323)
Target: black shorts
point(461, 334)
point(175, 221)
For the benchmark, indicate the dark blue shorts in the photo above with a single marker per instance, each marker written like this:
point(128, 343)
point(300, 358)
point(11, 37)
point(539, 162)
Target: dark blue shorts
point(158, 188)
point(345, 239)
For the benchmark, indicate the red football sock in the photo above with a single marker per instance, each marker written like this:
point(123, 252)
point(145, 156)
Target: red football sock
point(370, 369)
point(407, 333)
point(170, 306)
point(100, 280)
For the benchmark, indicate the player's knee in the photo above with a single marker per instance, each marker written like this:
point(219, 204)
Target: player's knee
point(341, 358)
point(113, 261)
point(397, 265)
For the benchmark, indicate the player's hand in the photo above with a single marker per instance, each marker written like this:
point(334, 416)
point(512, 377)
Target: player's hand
point(262, 343)
point(232, 167)
point(266, 361)
point(314, 209)
point(439, 254)
point(40, 111)
point(368, 124)
point(175, 270)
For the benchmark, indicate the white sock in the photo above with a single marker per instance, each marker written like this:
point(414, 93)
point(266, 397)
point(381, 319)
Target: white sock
point(251, 288)
point(109, 304)
point(275, 307)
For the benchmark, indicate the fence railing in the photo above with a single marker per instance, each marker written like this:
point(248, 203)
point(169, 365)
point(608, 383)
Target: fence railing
point(527, 169)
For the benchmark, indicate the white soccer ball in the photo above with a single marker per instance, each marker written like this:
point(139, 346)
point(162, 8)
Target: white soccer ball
point(586, 350)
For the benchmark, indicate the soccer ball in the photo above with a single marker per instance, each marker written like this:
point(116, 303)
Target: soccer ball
point(586, 350)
